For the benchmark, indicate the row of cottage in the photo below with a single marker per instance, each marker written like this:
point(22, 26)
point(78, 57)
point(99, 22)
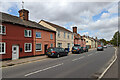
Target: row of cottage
point(20, 37)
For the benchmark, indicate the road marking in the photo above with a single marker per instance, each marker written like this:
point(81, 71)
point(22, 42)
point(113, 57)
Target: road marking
point(108, 66)
point(90, 54)
point(43, 70)
point(78, 58)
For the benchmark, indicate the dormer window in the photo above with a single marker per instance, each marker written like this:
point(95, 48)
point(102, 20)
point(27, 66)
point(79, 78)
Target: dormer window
point(2, 29)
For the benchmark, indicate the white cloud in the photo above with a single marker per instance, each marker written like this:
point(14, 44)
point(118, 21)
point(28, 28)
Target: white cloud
point(80, 13)
point(105, 15)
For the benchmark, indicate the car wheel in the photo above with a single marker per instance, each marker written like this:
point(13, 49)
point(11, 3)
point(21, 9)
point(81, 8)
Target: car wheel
point(58, 56)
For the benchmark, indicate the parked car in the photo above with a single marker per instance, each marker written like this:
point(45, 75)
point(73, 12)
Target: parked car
point(82, 49)
point(105, 46)
point(56, 52)
point(76, 49)
point(85, 49)
point(100, 48)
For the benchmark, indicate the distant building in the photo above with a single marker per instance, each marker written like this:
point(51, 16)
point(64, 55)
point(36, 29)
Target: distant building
point(64, 37)
point(78, 39)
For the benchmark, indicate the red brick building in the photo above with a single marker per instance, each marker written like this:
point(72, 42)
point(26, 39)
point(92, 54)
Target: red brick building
point(20, 37)
point(78, 39)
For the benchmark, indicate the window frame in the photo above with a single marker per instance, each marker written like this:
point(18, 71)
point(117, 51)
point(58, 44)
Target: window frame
point(25, 47)
point(64, 34)
point(58, 33)
point(51, 36)
point(28, 33)
point(68, 36)
point(40, 35)
point(51, 44)
point(4, 48)
point(41, 47)
point(2, 29)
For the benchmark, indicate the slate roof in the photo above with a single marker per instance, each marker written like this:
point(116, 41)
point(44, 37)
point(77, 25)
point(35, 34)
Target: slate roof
point(16, 20)
point(56, 26)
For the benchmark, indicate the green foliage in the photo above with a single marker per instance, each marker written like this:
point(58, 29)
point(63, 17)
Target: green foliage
point(116, 39)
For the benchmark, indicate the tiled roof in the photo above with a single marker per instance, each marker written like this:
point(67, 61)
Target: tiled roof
point(16, 20)
point(56, 26)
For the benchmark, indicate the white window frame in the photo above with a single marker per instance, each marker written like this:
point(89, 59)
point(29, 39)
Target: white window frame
point(40, 35)
point(28, 33)
point(4, 47)
point(68, 36)
point(51, 36)
point(35, 47)
point(25, 47)
point(64, 34)
point(58, 33)
point(2, 31)
point(72, 36)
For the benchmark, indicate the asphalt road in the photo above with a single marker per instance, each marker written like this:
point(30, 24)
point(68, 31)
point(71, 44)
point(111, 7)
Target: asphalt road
point(83, 65)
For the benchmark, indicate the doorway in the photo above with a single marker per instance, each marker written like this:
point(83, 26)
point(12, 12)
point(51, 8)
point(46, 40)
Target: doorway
point(45, 48)
point(15, 52)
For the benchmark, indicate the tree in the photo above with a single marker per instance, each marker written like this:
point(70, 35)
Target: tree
point(116, 39)
point(103, 41)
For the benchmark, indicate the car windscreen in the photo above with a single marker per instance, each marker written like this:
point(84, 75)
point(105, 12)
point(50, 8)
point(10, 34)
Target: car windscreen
point(99, 47)
point(50, 49)
point(75, 47)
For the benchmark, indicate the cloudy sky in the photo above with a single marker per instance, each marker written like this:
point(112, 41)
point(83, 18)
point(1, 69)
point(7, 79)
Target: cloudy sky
point(92, 18)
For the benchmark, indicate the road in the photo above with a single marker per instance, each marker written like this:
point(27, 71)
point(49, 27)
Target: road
point(83, 65)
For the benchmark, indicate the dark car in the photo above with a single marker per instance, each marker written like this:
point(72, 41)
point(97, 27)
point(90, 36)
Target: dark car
point(100, 48)
point(82, 49)
point(85, 49)
point(76, 49)
point(56, 52)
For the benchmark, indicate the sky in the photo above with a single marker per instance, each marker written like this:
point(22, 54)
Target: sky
point(94, 19)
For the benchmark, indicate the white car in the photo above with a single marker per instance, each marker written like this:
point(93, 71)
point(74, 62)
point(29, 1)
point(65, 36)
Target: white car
point(105, 46)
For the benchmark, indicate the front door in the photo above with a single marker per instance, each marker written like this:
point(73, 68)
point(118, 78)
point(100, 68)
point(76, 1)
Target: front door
point(45, 47)
point(15, 52)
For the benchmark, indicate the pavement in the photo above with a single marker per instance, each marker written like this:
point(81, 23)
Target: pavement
point(85, 65)
point(25, 60)
point(114, 71)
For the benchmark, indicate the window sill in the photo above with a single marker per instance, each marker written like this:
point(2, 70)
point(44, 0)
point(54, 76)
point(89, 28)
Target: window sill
point(2, 53)
point(38, 37)
point(3, 34)
point(28, 51)
point(38, 50)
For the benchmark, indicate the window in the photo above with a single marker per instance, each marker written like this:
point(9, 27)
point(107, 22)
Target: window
point(2, 29)
point(72, 36)
point(68, 36)
point(38, 34)
point(2, 48)
point(28, 47)
point(59, 44)
point(58, 33)
point(51, 45)
point(64, 34)
point(68, 45)
point(38, 47)
point(51, 36)
point(28, 33)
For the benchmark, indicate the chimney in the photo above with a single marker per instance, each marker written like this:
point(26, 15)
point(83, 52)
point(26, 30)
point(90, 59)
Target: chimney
point(74, 29)
point(23, 14)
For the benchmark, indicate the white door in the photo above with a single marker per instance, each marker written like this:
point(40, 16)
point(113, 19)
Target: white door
point(15, 52)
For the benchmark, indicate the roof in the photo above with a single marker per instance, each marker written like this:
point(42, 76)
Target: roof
point(16, 20)
point(56, 26)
